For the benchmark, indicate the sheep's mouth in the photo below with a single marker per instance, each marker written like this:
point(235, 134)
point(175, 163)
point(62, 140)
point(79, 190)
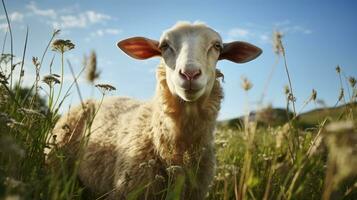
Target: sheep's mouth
point(190, 94)
point(191, 91)
point(189, 87)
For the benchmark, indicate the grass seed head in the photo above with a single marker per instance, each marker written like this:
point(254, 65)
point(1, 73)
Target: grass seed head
point(92, 71)
point(352, 81)
point(313, 95)
point(286, 90)
point(277, 43)
point(341, 95)
point(291, 97)
point(36, 62)
point(159, 178)
point(56, 32)
point(31, 112)
point(246, 84)
point(338, 69)
point(173, 169)
point(14, 124)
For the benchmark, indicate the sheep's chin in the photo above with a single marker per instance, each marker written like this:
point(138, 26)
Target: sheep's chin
point(190, 96)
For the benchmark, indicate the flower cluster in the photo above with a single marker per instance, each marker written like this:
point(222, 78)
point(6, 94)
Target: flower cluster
point(52, 78)
point(104, 88)
point(62, 46)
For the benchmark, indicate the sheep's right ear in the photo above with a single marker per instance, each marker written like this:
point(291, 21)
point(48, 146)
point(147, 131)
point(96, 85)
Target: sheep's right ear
point(140, 48)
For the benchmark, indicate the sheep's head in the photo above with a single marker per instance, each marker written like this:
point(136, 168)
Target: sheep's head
point(190, 53)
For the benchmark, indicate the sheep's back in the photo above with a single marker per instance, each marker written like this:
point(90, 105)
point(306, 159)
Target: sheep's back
point(111, 117)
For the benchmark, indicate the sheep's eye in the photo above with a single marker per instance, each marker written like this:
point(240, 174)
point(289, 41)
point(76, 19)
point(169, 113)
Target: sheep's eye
point(164, 46)
point(217, 46)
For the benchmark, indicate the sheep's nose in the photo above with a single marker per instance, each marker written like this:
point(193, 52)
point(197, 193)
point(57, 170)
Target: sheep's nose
point(190, 74)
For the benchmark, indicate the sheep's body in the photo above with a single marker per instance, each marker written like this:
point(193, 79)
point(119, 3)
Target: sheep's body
point(130, 144)
point(126, 134)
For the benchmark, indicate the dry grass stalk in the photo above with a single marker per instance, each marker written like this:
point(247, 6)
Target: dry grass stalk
point(91, 68)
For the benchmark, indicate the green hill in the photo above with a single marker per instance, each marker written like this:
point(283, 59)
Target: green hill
point(279, 116)
point(314, 117)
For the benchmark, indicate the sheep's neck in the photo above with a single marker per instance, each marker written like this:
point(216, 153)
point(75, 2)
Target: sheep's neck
point(186, 127)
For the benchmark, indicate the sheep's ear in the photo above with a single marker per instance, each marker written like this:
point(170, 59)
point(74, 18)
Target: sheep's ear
point(239, 52)
point(140, 48)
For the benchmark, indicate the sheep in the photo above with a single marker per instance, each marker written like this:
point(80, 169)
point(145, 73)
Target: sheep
point(132, 144)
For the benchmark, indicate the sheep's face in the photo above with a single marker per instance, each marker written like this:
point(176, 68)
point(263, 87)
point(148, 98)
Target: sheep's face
point(190, 53)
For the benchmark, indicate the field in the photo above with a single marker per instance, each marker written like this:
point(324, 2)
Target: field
point(268, 154)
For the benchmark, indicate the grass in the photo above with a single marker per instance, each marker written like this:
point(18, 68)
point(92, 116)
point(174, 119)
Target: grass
point(278, 154)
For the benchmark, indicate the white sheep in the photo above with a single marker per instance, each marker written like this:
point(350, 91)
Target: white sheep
point(143, 147)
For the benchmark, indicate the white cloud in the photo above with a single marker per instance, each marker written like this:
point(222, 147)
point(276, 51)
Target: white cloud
point(239, 32)
point(67, 19)
point(262, 33)
point(113, 31)
point(70, 21)
point(108, 31)
point(14, 17)
point(95, 17)
point(283, 23)
point(3, 27)
point(41, 12)
point(287, 27)
point(296, 29)
point(80, 20)
point(98, 33)
point(265, 38)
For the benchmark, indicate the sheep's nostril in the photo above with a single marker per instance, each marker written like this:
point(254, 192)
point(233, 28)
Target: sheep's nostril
point(190, 74)
point(197, 74)
point(183, 75)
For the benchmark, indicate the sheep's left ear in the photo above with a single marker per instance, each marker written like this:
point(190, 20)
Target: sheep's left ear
point(239, 52)
point(139, 47)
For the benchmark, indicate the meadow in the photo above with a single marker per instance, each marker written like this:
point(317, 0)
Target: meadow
point(266, 154)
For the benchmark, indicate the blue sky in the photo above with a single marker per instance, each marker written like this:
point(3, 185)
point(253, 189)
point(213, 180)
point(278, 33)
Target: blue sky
point(318, 36)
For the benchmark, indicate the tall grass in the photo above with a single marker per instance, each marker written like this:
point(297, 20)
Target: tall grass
point(260, 161)
point(26, 123)
point(254, 161)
